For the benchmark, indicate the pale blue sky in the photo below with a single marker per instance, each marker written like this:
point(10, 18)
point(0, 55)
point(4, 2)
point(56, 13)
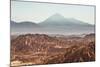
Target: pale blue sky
point(38, 12)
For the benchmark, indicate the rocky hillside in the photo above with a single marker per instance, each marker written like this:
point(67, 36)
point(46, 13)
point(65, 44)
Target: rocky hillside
point(43, 49)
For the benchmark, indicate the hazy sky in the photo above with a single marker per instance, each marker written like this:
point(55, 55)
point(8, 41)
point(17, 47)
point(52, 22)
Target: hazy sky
point(37, 12)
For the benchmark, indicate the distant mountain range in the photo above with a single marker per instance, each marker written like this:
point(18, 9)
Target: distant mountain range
point(55, 24)
point(58, 19)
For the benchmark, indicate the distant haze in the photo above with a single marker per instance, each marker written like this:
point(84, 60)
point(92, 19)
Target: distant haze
point(38, 12)
point(55, 24)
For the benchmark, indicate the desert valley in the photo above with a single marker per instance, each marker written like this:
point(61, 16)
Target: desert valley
point(49, 33)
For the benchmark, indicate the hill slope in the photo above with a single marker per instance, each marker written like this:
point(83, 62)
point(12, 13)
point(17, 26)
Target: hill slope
point(43, 49)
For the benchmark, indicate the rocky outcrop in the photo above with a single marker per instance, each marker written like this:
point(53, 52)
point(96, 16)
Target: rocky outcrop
point(43, 49)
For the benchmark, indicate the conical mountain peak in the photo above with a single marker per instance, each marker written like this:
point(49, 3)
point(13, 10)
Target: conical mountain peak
point(57, 16)
point(55, 19)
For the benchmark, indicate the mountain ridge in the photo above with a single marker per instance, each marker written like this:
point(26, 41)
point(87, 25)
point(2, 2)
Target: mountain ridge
point(53, 24)
point(53, 17)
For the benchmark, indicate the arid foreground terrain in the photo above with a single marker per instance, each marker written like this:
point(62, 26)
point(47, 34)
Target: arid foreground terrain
point(33, 49)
